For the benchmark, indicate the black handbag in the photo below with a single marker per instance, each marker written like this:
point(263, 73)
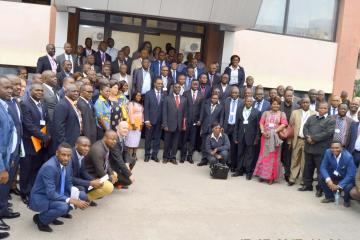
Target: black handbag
point(219, 171)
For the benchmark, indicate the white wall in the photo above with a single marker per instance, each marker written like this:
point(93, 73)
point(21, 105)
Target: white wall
point(61, 31)
point(274, 59)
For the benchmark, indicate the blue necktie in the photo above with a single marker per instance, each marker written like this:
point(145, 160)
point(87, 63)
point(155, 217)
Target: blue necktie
point(62, 181)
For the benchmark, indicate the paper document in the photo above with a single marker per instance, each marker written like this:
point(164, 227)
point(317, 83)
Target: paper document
point(75, 194)
point(102, 180)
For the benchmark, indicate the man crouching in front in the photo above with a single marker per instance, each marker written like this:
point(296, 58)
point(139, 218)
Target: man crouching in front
point(51, 192)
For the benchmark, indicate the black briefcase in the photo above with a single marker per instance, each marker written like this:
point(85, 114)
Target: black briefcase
point(219, 171)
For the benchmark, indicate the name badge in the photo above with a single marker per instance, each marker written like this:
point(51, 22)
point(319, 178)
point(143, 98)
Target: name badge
point(245, 122)
point(336, 173)
point(271, 125)
point(337, 130)
point(165, 89)
point(42, 122)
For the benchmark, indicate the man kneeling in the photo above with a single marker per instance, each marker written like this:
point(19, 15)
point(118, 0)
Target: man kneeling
point(51, 192)
point(337, 173)
point(217, 146)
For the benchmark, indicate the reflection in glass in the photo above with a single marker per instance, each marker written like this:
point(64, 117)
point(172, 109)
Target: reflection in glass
point(271, 16)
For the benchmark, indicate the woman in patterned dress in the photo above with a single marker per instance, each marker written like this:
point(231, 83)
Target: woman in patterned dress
point(118, 105)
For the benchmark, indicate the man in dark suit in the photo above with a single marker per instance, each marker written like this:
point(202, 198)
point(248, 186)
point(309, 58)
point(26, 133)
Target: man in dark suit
point(318, 132)
point(223, 87)
point(67, 56)
point(173, 73)
point(128, 59)
point(204, 87)
point(88, 48)
point(168, 82)
point(91, 61)
point(121, 59)
point(51, 194)
point(81, 178)
point(156, 66)
point(51, 97)
point(48, 61)
point(334, 104)
point(354, 141)
point(67, 118)
point(337, 173)
point(211, 112)
point(101, 56)
point(194, 100)
point(247, 136)
point(173, 121)
point(152, 117)
point(342, 125)
point(35, 118)
point(213, 76)
point(87, 112)
point(6, 146)
point(97, 161)
point(217, 146)
point(143, 78)
point(230, 115)
point(260, 103)
point(197, 71)
point(65, 72)
point(67, 81)
point(119, 158)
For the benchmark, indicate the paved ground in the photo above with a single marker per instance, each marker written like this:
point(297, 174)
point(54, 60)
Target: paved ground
point(182, 202)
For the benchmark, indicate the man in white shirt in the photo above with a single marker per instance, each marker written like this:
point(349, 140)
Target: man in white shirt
point(67, 55)
point(111, 50)
point(353, 110)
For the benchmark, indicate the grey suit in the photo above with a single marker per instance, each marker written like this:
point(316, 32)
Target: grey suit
point(138, 80)
point(50, 99)
point(61, 58)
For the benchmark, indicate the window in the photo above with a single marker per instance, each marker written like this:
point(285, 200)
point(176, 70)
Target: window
point(125, 20)
point(192, 28)
point(123, 39)
point(161, 24)
point(91, 16)
point(271, 16)
point(315, 19)
point(96, 33)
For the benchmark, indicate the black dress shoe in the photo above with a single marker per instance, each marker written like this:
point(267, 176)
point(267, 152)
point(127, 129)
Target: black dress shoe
point(57, 222)
point(147, 158)
point(347, 204)
point(232, 169)
point(92, 204)
point(164, 160)
point(304, 188)
point(68, 215)
point(190, 160)
point(42, 227)
point(4, 226)
point(173, 161)
point(11, 215)
point(318, 193)
point(10, 204)
point(15, 191)
point(290, 183)
point(236, 174)
point(155, 159)
point(4, 235)
point(248, 176)
point(9, 197)
point(25, 200)
point(327, 200)
point(202, 164)
point(182, 160)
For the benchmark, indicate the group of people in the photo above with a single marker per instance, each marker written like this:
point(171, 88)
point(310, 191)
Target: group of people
point(71, 132)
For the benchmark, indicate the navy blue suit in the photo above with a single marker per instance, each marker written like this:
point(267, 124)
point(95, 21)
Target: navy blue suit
point(351, 146)
point(43, 64)
point(153, 114)
point(80, 177)
point(45, 196)
point(342, 173)
point(241, 76)
point(156, 66)
point(265, 106)
point(66, 124)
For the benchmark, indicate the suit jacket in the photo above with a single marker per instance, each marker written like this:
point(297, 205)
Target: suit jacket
point(61, 93)
point(17, 119)
point(152, 109)
point(46, 188)
point(172, 117)
point(223, 94)
point(31, 124)
point(66, 124)
point(193, 107)
point(138, 80)
point(115, 66)
point(199, 72)
point(176, 75)
point(89, 120)
point(346, 167)
point(98, 61)
point(80, 177)
point(60, 78)
point(216, 79)
point(61, 59)
point(223, 144)
point(84, 53)
point(226, 112)
point(95, 160)
point(348, 122)
point(207, 118)
point(241, 75)
point(155, 67)
point(50, 100)
point(43, 64)
point(136, 64)
point(295, 122)
point(353, 134)
point(6, 130)
point(169, 84)
point(321, 132)
point(205, 90)
point(118, 158)
point(265, 106)
point(248, 132)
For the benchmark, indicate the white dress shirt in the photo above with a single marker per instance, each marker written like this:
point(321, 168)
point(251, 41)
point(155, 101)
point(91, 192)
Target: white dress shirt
point(234, 75)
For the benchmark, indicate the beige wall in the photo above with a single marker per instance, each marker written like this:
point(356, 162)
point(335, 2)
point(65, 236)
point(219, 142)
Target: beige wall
point(277, 59)
point(25, 31)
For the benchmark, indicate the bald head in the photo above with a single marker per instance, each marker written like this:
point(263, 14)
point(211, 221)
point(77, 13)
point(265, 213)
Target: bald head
point(110, 138)
point(49, 77)
point(122, 128)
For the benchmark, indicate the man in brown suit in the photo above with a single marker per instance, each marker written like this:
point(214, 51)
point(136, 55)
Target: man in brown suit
point(297, 120)
point(355, 191)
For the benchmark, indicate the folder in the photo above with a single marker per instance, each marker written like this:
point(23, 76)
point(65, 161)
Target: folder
point(36, 141)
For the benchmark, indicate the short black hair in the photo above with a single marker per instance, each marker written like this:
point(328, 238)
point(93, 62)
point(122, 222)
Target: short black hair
point(215, 124)
point(64, 145)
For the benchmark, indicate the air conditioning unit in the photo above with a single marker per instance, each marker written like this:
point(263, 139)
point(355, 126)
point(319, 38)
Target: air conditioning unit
point(192, 47)
point(98, 36)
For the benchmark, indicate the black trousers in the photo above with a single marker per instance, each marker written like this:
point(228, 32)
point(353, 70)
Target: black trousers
point(171, 144)
point(233, 158)
point(203, 150)
point(188, 141)
point(312, 161)
point(286, 158)
point(152, 140)
point(29, 167)
point(245, 157)
point(123, 180)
